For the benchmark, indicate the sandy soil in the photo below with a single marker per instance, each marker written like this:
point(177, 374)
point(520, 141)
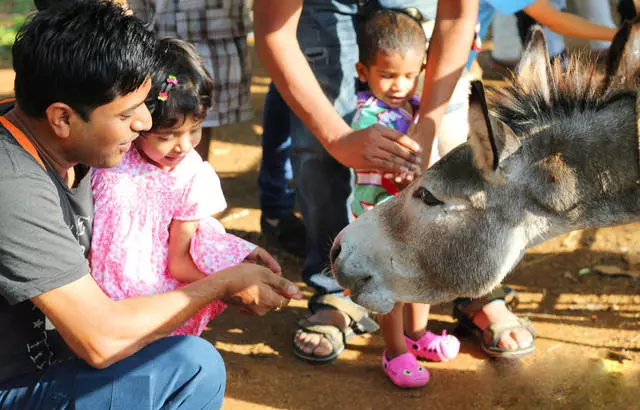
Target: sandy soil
point(578, 318)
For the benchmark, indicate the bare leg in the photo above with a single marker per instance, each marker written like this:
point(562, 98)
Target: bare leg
point(416, 316)
point(392, 328)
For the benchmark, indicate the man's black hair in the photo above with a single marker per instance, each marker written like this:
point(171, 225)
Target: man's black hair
point(82, 53)
point(389, 31)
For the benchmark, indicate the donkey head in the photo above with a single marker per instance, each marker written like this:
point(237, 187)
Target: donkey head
point(556, 151)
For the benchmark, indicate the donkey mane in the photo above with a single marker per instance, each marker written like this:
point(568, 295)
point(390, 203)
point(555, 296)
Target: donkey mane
point(578, 86)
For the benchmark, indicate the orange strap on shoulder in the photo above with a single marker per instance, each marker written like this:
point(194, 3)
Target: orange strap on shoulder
point(22, 140)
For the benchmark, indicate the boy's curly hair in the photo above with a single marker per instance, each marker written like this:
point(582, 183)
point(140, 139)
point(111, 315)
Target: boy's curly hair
point(389, 31)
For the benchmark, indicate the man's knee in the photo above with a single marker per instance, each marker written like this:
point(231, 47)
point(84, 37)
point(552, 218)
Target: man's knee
point(196, 351)
point(197, 363)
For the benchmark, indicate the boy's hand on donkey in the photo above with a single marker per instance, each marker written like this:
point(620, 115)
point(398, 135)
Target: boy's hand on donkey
point(259, 255)
point(401, 180)
point(255, 290)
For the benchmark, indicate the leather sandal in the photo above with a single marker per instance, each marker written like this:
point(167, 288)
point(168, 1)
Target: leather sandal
point(359, 323)
point(465, 309)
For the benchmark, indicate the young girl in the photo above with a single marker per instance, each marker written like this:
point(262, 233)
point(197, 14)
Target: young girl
point(392, 51)
point(152, 230)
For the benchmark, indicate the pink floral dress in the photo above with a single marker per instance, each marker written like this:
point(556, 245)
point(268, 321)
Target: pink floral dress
point(135, 203)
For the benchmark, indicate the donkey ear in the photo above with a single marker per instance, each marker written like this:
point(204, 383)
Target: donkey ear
point(534, 69)
point(491, 140)
point(623, 59)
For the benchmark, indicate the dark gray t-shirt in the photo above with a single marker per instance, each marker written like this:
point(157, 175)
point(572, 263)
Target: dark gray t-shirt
point(45, 233)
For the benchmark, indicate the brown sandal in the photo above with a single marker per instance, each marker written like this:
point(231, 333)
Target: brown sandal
point(464, 310)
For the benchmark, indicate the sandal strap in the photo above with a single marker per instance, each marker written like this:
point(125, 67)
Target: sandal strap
point(497, 330)
point(359, 316)
point(332, 333)
point(469, 307)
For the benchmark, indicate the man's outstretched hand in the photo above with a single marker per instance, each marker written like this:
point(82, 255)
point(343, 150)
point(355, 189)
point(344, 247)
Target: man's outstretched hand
point(377, 147)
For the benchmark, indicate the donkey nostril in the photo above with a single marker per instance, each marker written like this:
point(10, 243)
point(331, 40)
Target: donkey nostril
point(335, 252)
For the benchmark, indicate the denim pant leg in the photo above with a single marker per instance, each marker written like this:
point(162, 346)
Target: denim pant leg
point(277, 196)
point(174, 372)
point(323, 185)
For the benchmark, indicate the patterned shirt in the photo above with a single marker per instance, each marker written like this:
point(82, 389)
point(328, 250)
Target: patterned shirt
point(371, 187)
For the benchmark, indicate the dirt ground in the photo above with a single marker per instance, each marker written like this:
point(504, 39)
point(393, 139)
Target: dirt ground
point(579, 316)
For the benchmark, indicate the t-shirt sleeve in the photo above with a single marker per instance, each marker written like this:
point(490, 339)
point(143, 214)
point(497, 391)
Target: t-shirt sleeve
point(364, 117)
point(203, 196)
point(509, 6)
point(38, 252)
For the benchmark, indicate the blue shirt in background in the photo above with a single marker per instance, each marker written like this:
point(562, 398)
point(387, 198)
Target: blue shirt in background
point(486, 11)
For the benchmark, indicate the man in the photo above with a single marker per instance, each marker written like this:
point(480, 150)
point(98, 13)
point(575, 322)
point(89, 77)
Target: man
point(309, 49)
point(82, 77)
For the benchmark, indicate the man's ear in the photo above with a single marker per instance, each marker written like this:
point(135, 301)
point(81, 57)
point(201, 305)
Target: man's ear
point(362, 71)
point(59, 116)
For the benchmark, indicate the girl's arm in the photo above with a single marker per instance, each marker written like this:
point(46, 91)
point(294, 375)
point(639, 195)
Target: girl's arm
point(566, 23)
point(180, 264)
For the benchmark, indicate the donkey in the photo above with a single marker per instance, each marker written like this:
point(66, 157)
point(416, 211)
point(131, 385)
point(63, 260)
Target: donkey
point(557, 151)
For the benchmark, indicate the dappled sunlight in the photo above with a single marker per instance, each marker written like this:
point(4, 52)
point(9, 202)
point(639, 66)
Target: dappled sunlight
point(261, 80)
point(608, 302)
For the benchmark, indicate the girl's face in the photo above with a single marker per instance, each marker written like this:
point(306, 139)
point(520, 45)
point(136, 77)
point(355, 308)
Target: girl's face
point(166, 148)
point(392, 78)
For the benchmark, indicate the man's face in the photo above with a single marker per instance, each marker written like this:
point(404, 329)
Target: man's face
point(102, 141)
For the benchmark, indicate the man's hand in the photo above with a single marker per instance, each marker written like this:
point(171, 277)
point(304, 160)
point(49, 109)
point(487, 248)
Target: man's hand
point(377, 147)
point(256, 290)
point(259, 255)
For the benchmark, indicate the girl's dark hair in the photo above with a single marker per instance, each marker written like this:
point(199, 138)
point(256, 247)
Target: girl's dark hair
point(389, 31)
point(81, 53)
point(192, 95)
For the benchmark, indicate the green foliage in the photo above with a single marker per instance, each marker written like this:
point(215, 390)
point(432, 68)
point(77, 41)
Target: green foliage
point(12, 16)
point(9, 27)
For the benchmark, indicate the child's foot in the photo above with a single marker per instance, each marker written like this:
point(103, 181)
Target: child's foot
point(405, 371)
point(433, 347)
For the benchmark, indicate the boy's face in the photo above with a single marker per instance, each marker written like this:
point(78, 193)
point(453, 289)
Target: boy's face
point(392, 78)
point(166, 148)
point(102, 141)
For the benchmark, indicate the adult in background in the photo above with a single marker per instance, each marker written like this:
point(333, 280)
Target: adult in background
point(218, 30)
point(82, 77)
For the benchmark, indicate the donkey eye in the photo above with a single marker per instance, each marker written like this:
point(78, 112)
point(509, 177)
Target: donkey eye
point(427, 197)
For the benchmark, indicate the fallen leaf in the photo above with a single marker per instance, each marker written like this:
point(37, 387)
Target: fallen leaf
point(569, 276)
point(612, 270)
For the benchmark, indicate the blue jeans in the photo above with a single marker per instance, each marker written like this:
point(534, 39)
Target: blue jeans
point(327, 37)
point(277, 196)
point(175, 372)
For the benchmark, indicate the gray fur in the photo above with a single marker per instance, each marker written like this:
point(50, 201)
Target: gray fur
point(567, 142)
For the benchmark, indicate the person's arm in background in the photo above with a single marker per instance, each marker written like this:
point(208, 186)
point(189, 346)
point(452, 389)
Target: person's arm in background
point(448, 53)
point(275, 25)
point(566, 23)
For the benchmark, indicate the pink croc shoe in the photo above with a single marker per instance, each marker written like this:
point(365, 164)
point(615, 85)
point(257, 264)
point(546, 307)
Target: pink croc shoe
point(405, 371)
point(433, 347)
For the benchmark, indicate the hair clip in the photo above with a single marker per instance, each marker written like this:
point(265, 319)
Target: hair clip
point(172, 81)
